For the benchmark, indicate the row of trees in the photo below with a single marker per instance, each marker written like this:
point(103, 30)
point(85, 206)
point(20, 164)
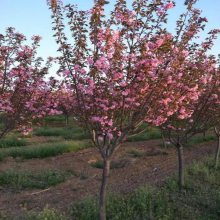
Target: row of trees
point(118, 72)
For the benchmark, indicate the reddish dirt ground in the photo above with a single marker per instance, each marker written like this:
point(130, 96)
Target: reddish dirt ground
point(152, 168)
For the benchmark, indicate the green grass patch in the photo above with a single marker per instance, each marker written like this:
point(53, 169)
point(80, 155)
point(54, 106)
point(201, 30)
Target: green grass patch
point(55, 118)
point(12, 141)
point(200, 200)
point(200, 139)
point(115, 164)
point(150, 133)
point(140, 153)
point(136, 153)
point(98, 164)
point(74, 133)
point(32, 180)
point(46, 214)
point(44, 150)
point(193, 141)
point(52, 119)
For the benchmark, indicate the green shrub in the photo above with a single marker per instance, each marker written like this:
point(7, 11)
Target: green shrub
point(115, 164)
point(150, 133)
point(26, 179)
point(203, 172)
point(74, 133)
point(142, 204)
point(56, 118)
point(49, 131)
point(85, 210)
point(44, 150)
point(98, 164)
point(12, 141)
point(136, 153)
point(200, 139)
point(46, 214)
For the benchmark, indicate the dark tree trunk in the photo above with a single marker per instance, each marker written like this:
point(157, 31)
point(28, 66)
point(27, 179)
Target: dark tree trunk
point(217, 152)
point(186, 139)
point(3, 133)
point(180, 166)
point(164, 140)
point(67, 120)
point(102, 196)
point(44, 123)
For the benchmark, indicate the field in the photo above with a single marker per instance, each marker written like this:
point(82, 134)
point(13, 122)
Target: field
point(111, 111)
point(55, 174)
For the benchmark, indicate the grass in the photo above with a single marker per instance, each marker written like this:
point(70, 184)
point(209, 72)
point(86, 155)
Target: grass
point(43, 150)
point(140, 153)
point(114, 164)
point(98, 164)
point(12, 141)
point(200, 139)
point(136, 153)
point(74, 133)
point(150, 133)
point(46, 214)
point(32, 180)
point(195, 140)
point(55, 118)
point(200, 200)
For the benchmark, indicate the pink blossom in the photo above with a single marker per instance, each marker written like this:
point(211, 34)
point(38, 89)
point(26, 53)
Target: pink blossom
point(159, 42)
point(169, 5)
point(118, 76)
point(110, 135)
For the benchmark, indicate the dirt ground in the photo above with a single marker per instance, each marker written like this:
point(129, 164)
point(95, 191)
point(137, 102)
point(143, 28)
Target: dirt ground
point(152, 168)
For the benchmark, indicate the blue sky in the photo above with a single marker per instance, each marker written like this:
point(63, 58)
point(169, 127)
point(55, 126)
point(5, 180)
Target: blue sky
point(32, 17)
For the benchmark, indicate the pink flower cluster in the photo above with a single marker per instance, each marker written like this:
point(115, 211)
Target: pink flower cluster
point(24, 93)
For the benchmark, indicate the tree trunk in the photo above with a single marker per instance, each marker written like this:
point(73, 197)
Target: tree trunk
point(102, 198)
point(217, 153)
point(180, 166)
point(67, 120)
point(3, 133)
point(186, 139)
point(44, 122)
point(164, 140)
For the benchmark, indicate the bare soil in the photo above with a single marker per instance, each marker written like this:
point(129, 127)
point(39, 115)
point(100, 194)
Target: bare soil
point(153, 167)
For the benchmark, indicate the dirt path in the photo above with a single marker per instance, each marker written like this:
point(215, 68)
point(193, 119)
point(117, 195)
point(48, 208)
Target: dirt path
point(138, 171)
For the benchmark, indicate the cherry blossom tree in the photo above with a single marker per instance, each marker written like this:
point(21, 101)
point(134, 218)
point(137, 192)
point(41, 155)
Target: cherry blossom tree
point(65, 102)
point(24, 94)
point(179, 129)
point(126, 69)
point(211, 114)
point(217, 153)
